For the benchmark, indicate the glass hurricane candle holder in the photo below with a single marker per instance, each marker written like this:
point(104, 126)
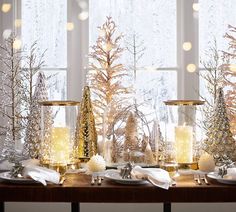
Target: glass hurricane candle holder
point(182, 131)
point(58, 123)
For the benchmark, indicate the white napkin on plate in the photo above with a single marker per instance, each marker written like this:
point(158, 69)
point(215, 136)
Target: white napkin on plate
point(156, 176)
point(41, 174)
point(231, 174)
point(5, 165)
point(34, 171)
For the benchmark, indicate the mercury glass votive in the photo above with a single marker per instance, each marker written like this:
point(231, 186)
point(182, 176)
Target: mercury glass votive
point(58, 125)
point(182, 130)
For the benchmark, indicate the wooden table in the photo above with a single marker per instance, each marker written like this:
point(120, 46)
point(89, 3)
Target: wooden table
point(77, 189)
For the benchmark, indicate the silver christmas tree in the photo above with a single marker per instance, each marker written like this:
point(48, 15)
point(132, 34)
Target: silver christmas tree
point(220, 142)
point(157, 140)
point(12, 97)
point(33, 130)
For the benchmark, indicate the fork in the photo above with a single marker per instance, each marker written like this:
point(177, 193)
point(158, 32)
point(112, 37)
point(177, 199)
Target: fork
point(99, 178)
point(197, 179)
point(204, 179)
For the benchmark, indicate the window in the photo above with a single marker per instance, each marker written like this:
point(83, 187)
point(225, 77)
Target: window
point(163, 27)
point(49, 30)
point(155, 33)
point(214, 18)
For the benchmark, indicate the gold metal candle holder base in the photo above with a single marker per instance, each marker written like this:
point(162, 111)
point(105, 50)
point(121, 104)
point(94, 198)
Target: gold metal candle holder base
point(84, 159)
point(44, 163)
point(73, 165)
point(193, 165)
point(171, 167)
point(59, 167)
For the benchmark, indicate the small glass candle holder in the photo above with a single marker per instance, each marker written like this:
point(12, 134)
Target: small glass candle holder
point(58, 123)
point(182, 131)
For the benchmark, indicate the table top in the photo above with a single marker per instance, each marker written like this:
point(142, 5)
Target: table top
point(77, 188)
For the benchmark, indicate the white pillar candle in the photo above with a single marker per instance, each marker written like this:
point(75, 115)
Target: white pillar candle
point(60, 145)
point(184, 144)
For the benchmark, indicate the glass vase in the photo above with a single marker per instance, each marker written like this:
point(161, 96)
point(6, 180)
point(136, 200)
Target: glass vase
point(58, 148)
point(183, 133)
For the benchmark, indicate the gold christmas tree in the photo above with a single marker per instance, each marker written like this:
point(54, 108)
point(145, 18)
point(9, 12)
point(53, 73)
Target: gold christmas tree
point(229, 69)
point(86, 135)
point(220, 142)
point(105, 77)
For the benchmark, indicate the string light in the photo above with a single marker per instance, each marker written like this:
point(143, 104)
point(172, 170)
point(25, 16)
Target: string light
point(6, 33)
point(191, 67)
point(70, 26)
point(17, 43)
point(232, 67)
point(187, 46)
point(83, 15)
point(83, 4)
point(18, 23)
point(196, 7)
point(6, 7)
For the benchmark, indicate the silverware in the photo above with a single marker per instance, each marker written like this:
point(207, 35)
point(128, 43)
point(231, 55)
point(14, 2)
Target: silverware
point(92, 180)
point(96, 180)
point(62, 180)
point(204, 179)
point(173, 182)
point(196, 178)
point(99, 180)
point(126, 171)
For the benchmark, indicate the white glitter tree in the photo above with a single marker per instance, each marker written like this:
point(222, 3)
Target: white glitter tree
point(33, 130)
point(13, 97)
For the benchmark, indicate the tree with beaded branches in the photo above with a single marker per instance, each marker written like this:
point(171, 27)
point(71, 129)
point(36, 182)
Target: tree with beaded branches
point(105, 77)
point(32, 143)
point(220, 142)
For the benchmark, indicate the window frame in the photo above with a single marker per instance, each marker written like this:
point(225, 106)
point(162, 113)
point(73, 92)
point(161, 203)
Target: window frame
point(77, 45)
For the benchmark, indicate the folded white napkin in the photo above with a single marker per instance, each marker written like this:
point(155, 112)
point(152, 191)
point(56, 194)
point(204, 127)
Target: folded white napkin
point(34, 171)
point(156, 176)
point(41, 174)
point(5, 165)
point(231, 174)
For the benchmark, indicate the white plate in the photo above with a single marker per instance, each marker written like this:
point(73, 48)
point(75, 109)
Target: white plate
point(215, 176)
point(5, 176)
point(114, 175)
